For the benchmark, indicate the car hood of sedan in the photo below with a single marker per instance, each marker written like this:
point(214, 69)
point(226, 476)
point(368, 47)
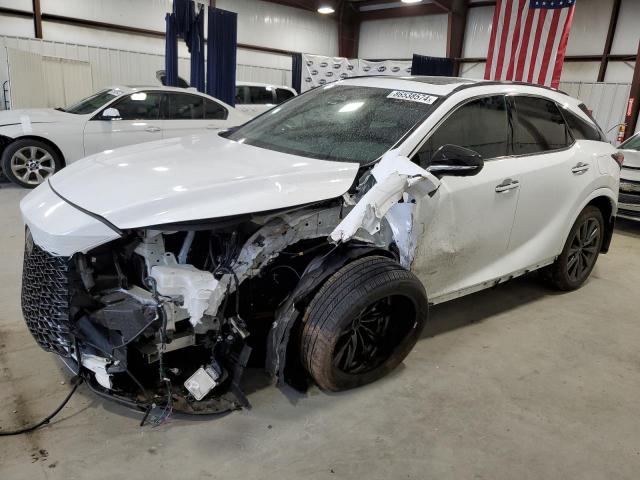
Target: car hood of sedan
point(34, 115)
point(194, 178)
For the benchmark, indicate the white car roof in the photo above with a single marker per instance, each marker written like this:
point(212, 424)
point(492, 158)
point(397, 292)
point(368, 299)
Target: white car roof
point(138, 88)
point(240, 83)
point(444, 86)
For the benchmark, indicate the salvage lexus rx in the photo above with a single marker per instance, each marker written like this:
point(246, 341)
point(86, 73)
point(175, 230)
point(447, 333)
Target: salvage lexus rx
point(312, 239)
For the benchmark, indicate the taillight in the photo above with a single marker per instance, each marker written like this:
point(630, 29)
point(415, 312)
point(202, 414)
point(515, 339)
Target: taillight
point(619, 158)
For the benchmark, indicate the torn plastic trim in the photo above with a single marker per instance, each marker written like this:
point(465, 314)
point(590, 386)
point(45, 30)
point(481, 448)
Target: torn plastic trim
point(395, 175)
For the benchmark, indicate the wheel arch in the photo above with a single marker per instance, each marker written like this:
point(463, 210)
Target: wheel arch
point(39, 139)
point(606, 205)
point(283, 362)
point(607, 202)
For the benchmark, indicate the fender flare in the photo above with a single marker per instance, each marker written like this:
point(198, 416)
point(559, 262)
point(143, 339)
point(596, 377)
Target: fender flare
point(608, 194)
point(291, 312)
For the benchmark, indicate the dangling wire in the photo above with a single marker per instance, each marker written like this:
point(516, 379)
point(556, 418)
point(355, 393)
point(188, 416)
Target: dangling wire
point(168, 408)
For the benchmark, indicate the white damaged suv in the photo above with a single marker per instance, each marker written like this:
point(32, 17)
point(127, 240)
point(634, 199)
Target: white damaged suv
point(312, 239)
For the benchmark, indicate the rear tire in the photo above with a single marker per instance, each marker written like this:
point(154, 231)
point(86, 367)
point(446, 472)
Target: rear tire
point(362, 323)
point(30, 162)
point(574, 265)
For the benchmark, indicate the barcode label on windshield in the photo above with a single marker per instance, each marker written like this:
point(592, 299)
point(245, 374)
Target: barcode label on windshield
point(413, 96)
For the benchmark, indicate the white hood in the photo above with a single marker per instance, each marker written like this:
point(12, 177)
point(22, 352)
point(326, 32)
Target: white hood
point(35, 115)
point(196, 177)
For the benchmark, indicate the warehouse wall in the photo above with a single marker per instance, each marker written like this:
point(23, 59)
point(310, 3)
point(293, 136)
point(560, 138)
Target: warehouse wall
point(402, 37)
point(259, 23)
point(588, 34)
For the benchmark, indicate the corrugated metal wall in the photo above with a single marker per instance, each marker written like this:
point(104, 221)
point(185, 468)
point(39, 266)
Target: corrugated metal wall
point(607, 101)
point(113, 66)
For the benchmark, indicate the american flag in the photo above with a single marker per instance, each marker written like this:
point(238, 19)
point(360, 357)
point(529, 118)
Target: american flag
point(528, 40)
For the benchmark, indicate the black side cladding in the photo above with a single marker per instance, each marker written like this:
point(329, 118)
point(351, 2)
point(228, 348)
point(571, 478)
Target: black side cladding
point(46, 299)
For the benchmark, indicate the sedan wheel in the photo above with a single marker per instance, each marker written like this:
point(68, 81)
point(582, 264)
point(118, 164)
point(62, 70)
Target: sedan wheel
point(29, 162)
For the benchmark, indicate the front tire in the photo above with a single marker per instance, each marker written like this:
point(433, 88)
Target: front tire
point(574, 265)
point(30, 162)
point(362, 323)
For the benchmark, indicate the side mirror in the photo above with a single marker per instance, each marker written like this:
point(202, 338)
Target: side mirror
point(456, 161)
point(110, 114)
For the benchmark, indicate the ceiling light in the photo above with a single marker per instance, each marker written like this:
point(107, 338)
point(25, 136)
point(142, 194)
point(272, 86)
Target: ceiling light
point(326, 9)
point(411, 1)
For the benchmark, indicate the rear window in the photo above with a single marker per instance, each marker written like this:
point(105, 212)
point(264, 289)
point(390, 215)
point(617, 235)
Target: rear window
point(260, 95)
point(581, 129)
point(182, 106)
point(282, 94)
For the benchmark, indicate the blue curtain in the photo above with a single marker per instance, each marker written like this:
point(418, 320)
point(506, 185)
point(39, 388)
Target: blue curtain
point(185, 16)
point(222, 40)
point(296, 72)
point(196, 44)
point(436, 66)
point(171, 52)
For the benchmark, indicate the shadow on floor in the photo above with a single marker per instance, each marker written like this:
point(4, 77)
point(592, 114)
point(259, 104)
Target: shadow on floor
point(487, 303)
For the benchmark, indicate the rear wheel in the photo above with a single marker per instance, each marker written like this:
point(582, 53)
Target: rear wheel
point(362, 323)
point(574, 265)
point(29, 162)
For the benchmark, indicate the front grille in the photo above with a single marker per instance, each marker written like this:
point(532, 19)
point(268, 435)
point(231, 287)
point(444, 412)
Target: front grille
point(46, 299)
point(630, 198)
point(629, 214)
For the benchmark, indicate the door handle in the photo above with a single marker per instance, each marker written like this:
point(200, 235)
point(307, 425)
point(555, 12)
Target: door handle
point(579, 168)
point(213, 127)
point(152, 129)
point(507, 185)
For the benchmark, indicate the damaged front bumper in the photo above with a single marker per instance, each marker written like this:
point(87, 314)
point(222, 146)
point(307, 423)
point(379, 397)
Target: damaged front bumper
point(174, 316)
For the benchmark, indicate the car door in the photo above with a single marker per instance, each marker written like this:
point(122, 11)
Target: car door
point(555, 175)
point(133, 118)
point(187, 113)
point(467, 223)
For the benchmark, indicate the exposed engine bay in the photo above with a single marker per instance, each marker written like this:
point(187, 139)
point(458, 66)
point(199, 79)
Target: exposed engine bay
point(171, 315)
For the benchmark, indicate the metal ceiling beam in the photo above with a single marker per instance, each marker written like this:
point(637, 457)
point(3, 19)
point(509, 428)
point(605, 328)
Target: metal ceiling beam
point(633, 108)
point(456, 26)
point(405, 11)
point(613, 22)
point(37, 19)
point(310, 5)
point(348, 30)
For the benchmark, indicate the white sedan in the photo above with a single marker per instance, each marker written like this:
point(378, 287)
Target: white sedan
point(35, 143)
point(313, 238)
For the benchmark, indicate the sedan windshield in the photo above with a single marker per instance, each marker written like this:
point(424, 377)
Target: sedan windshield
point(338, 122)
point(94, 102)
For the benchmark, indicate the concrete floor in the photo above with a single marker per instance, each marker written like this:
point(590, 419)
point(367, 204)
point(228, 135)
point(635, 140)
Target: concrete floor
point(518, 382)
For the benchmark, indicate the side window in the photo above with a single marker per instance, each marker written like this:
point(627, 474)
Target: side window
point(260, 95)
point(182, 106)
point(214, 111)
point(241, 95)
point(283, 94)
point(580, 129)
point(480, 125)
point(139, 106)
point(539, 126)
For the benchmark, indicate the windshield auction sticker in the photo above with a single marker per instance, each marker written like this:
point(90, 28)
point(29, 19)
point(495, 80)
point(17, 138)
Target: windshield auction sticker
point(413, 96)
